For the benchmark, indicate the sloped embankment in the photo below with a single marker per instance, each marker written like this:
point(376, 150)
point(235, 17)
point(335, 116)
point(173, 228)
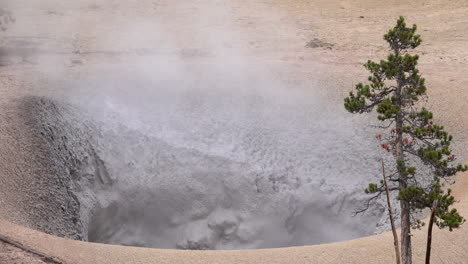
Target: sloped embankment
point(65, 163)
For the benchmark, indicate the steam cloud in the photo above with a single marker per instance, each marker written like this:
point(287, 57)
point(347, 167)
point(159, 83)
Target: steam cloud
point(208, 145)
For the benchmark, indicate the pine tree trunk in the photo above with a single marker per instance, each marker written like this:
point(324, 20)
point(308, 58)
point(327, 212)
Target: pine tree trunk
point(406, 252)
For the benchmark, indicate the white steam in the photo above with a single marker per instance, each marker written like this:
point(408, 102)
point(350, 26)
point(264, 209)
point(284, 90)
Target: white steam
point(225, 152)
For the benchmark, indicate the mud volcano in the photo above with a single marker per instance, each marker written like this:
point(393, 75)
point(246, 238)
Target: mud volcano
point(137, 141)
point(258, 185)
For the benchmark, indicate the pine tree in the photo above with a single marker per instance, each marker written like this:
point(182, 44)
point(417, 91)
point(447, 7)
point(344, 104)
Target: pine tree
point(395, 90)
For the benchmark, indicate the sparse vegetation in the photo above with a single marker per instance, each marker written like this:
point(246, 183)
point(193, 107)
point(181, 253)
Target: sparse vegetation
point(423, 160)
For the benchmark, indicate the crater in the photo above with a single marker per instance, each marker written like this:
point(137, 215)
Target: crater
point(116, 184)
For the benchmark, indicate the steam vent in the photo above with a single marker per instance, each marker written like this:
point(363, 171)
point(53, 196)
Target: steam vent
point(203, 131)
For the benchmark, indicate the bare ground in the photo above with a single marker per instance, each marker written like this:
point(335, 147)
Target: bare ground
point(12, 254)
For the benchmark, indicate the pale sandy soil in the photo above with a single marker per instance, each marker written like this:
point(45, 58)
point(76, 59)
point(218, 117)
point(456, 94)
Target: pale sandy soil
point(274, 32)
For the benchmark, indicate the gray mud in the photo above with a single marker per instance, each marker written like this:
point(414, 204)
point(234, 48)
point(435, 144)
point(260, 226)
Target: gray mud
point(105, 182)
